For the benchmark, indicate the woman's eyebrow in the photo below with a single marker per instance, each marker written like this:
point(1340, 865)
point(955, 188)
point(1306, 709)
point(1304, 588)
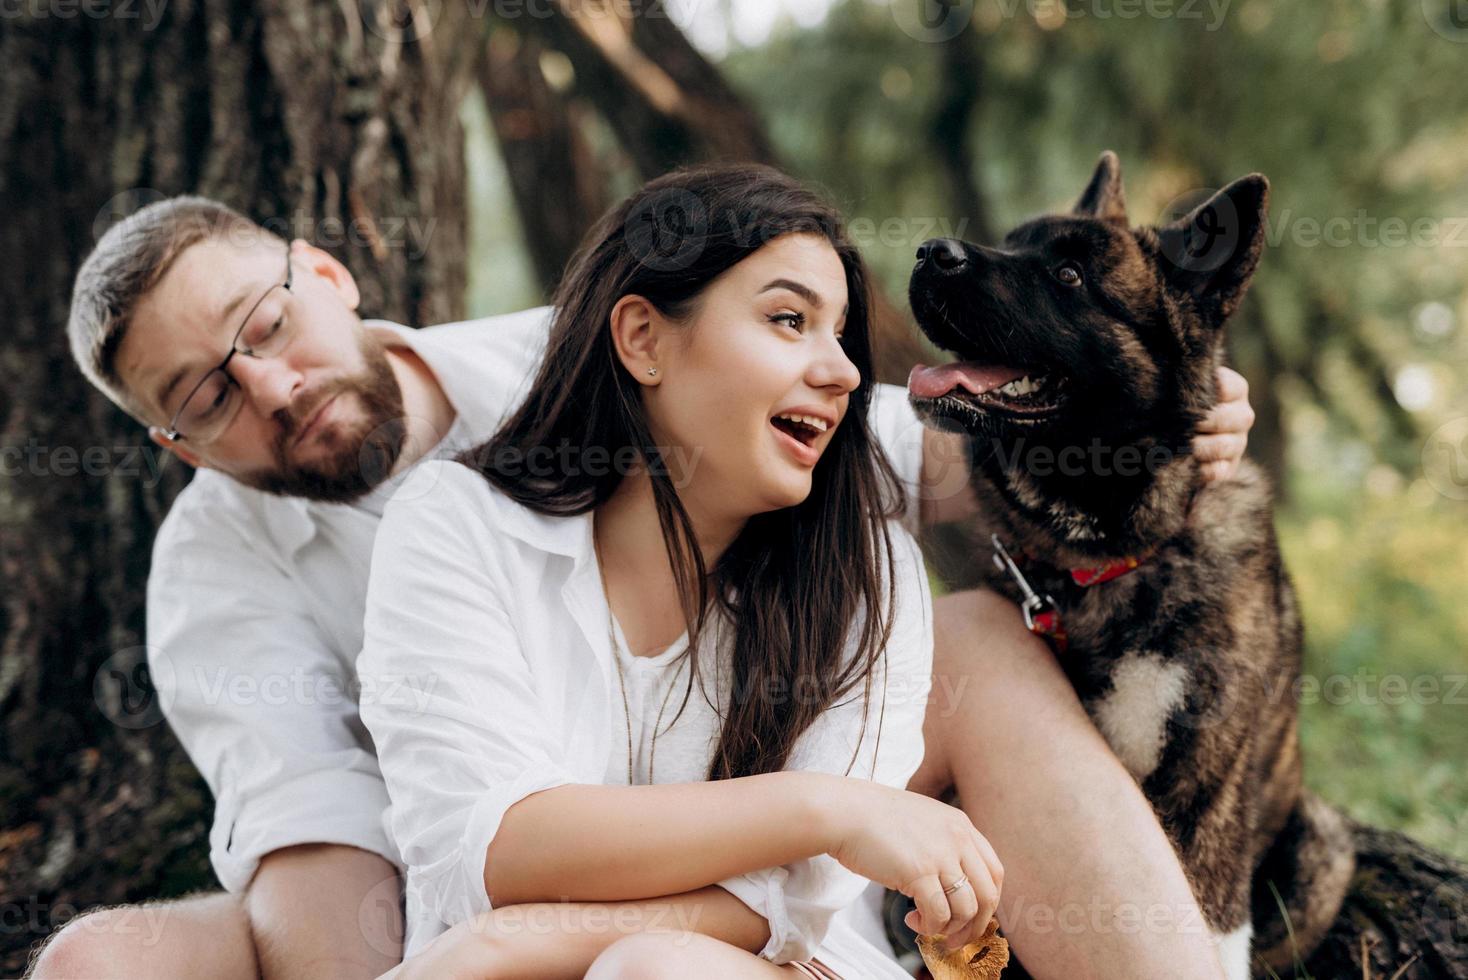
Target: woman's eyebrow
point(803, 291)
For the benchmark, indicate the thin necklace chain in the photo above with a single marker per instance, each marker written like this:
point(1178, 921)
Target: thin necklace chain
point(622, 683)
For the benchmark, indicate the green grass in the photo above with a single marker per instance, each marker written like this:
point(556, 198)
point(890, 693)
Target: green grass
point(1383, 584)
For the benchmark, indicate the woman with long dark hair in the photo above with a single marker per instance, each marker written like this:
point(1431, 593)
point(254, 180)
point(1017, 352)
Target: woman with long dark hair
point(660, 643)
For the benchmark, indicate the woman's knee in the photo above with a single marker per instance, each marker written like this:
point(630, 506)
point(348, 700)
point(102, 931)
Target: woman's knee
point(645, 956)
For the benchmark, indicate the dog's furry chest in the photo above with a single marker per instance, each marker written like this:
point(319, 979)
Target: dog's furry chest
point(1165, 657)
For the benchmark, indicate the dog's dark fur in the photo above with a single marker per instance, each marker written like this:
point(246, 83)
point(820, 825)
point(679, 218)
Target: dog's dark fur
point(1187, 664)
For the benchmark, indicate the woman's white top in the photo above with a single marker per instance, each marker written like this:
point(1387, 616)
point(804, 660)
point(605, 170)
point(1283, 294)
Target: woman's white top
point(487, 675)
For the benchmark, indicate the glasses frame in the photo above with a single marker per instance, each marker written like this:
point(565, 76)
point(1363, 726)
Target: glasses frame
point(171, 431)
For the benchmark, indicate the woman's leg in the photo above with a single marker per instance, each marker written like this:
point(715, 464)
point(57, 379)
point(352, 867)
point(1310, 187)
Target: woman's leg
point(678, 956)
point(1092, 886)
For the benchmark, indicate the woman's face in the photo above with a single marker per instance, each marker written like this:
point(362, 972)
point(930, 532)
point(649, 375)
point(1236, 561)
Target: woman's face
point(753, 388)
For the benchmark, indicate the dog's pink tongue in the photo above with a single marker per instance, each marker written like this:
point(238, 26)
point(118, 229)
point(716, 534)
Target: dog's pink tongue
point(934, 382)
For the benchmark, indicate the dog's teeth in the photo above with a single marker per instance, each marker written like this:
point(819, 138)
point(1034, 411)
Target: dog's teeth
point(1023, 386)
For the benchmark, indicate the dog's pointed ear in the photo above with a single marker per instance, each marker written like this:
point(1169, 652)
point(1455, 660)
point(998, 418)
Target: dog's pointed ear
point(1212, 251)
point(1103, 197)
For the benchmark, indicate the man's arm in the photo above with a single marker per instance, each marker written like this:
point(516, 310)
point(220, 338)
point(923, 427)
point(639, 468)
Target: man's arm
point(325, 911)
point(250, 685)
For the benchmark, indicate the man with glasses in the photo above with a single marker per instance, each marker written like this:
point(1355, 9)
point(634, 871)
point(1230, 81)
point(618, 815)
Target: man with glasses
point(245, 357)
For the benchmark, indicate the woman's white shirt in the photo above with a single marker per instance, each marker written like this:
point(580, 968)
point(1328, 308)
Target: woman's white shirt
point(487, 676)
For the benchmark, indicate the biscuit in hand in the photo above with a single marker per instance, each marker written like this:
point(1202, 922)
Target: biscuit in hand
point(982, 959)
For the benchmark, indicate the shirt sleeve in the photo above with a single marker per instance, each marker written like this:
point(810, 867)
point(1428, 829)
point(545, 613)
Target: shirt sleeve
point(254, 692)
point(900, 434)
point(799, 900)
point(458, 721)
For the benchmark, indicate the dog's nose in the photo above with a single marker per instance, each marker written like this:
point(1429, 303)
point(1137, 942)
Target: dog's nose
point(947, 254)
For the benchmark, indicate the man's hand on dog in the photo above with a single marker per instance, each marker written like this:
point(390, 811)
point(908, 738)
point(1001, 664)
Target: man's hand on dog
point(1224, 431)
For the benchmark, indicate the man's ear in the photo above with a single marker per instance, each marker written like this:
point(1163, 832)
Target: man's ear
point(1211, 252)
point(325, 267)
point(1104, 197)
point(636, 331)
point(176, 447)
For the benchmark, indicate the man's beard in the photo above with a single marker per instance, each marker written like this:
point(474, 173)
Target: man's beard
point(361, 455)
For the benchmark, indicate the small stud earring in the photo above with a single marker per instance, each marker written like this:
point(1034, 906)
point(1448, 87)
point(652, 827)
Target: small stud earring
point(652, 372)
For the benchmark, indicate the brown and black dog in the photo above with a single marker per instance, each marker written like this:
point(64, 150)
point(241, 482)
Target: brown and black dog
point(1087, 351)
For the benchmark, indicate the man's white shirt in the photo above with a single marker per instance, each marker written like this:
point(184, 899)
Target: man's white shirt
point(255, 613)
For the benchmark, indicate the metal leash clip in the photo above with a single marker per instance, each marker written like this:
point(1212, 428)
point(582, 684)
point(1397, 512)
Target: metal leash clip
point(1033, 604)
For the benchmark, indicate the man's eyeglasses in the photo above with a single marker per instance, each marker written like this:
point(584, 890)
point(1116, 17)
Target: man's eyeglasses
point(215, 401)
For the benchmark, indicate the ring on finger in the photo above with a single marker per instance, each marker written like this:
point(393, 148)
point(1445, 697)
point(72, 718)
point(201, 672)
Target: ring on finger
point(962, 880)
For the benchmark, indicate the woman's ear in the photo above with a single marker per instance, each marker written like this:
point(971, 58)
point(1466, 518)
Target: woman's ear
point(636, 328)
point(328, 269)
point(175, 447)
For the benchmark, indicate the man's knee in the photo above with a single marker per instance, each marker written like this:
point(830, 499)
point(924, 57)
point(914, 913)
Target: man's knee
point(161, 939)
point(97, 944)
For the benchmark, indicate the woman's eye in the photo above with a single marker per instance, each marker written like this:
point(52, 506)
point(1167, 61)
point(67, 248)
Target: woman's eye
point(1068, 274)
point(796, 320)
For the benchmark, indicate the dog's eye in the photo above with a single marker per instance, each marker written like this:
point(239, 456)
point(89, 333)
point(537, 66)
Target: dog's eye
point(1068, 274)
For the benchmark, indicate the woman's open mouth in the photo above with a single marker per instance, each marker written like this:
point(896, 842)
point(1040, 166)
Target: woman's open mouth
point(798, 434)
point(1022, 393)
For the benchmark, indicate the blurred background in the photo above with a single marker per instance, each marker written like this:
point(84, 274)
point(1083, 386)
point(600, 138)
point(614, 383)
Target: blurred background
point(452, 154)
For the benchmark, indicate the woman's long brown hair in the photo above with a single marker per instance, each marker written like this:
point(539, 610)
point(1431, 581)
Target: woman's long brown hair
point(795, 581)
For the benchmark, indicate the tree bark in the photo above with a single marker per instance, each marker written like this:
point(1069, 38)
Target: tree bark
point(333, 122)
point(558, 185)
point(667, 104)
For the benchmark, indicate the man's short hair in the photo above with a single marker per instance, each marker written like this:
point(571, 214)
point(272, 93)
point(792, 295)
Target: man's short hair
point(129, 260)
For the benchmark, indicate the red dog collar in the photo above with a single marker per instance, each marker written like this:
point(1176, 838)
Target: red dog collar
point(1042, 616)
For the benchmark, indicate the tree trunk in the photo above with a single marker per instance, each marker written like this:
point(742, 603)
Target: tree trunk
point(667, 104)
point(328, 127)
point(959, 97)
point(558, 185)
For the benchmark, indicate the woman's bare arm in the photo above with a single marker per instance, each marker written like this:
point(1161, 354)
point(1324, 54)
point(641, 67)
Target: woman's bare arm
point(605, 843)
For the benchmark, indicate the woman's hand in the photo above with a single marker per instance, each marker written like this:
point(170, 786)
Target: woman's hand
point(1224, 431)
point(920, 847)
